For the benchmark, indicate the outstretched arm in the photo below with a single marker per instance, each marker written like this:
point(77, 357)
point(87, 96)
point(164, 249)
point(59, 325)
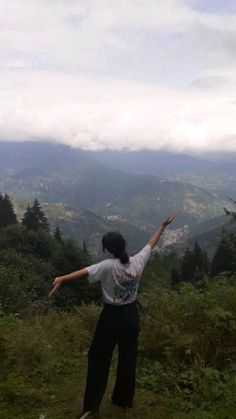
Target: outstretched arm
point(156, 236)
point(58, 281)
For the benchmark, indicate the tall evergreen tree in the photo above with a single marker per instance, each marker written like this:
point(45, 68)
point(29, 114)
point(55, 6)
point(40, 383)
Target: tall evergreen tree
point(28, 219)
point(187, 266)
point(200, 258)
point(224, 258)
point(194, 265)
point(40, 215)
point(1, 211)
point(34, 218)
point(7, 213)
point(57, 234)
point(85, 249)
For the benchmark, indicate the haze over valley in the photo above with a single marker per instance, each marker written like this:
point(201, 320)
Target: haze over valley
point(88, 193)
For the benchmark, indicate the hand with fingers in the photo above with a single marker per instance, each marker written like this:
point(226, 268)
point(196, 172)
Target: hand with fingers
point(156, 236)
point(168, 221)
point(57, 283)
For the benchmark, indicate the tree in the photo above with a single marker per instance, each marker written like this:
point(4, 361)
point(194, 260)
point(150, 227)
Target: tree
point(57, 234)
point(29, 260)
point(85, 249)
point(34, 218)
point(187, 266)
point(175, 278)
point(200, 258)
point(28, 219)
point(194, 265)
point(7, 214)
point(224, 258)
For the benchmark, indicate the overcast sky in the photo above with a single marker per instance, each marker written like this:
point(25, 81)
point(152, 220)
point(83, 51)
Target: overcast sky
point(119, 73)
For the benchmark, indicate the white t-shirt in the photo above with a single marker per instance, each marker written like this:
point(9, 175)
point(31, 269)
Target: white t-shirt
point(119, 282)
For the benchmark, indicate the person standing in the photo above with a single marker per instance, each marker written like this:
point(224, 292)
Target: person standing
point(118, 323)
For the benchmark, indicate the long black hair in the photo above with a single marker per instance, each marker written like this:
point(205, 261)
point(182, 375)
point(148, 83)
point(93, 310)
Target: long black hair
point(115, 244)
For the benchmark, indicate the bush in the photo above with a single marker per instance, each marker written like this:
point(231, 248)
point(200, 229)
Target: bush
point(188, 339)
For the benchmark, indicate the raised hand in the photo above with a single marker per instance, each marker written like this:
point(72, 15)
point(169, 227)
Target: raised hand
point(168, 221)
point(156, 236)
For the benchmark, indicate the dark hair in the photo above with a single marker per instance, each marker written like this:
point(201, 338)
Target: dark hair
point(115, 244)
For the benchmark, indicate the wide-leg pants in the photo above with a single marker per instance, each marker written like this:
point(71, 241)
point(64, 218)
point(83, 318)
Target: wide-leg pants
point(117, 325)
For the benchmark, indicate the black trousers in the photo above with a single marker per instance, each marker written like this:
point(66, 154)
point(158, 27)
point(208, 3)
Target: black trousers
point(116, 325)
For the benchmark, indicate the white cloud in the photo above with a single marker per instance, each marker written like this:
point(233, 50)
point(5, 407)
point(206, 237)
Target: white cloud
point(108, 113)
point(109, 73)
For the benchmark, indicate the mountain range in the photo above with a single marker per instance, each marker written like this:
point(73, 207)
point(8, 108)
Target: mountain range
point(124, 190)
point(217, 172)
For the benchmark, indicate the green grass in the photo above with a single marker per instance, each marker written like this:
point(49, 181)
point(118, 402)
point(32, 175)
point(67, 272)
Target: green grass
point(61, 398)
point(43, 370)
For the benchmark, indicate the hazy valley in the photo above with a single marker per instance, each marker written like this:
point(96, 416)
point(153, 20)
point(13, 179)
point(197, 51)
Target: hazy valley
point(88, 193)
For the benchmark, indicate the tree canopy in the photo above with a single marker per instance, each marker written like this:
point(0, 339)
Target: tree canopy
point(30, 257)
point(34, 217)
point(7, 213)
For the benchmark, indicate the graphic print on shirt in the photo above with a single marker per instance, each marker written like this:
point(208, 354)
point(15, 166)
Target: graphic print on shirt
point(125, 288)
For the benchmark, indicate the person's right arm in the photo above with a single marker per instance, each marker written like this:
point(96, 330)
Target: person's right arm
point(156, 236)
point(93, 272)
point(58, 281)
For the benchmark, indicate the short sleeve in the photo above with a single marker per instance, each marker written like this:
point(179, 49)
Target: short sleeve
point(96, 272)
point(142, 257)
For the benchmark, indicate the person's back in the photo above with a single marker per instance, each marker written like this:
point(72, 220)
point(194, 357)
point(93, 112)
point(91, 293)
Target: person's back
point(120, 282)
point(118, 322)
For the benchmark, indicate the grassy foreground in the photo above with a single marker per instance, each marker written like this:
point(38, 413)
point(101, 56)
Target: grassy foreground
point(43, 369)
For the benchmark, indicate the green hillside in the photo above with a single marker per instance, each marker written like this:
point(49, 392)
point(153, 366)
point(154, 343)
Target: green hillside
point(220, 183)
point(55, 174)
point(84, 226)
point(208, 241)
point(186, 367)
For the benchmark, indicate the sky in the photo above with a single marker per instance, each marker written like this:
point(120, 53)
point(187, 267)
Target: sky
point(119, 73)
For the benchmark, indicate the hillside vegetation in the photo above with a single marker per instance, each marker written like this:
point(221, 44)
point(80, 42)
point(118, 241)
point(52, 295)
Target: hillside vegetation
point(187, 345)
point(83, 225)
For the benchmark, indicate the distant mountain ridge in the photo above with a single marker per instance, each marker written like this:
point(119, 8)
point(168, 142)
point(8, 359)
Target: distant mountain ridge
point(60, 174)
point(214, 174)
point(56, 173)
point(155, 163)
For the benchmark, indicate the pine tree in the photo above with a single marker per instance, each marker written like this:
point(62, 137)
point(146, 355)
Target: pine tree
point(200, 259)
point(28, 219)
point(195, 264)
point(224, 258)
point(1, 211)
point(187, 266)
point(85, 250)
point(7, 213)
point(34, 218)
point(57, 234)
point(40, 216)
